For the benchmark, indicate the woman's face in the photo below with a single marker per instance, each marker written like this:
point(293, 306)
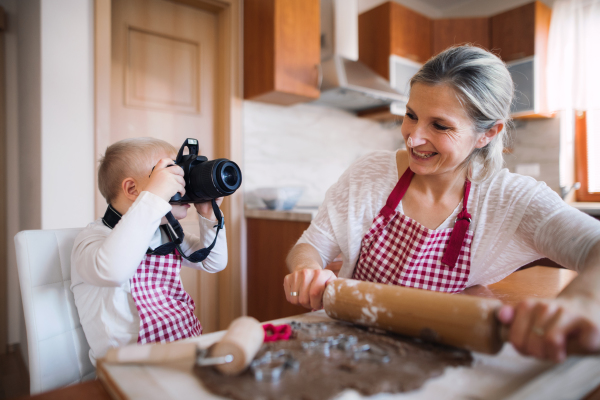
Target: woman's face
point(441, 134)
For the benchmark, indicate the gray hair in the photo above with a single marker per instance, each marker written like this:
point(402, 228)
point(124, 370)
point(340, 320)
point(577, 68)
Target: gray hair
point(485, 89)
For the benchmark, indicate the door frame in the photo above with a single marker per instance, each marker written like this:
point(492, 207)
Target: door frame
point(228, 129)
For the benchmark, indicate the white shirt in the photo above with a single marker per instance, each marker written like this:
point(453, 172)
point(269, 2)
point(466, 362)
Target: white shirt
point(515, 220)
point(103, 260)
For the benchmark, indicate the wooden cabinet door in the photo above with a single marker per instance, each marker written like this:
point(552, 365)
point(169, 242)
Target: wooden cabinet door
point(456, 31)
point(513, 32)
point(269, 242)
point(282, 50)
point(410, 33)
point(392, 29)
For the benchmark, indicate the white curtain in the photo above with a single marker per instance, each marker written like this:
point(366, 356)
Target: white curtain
point(573, 80)
point(573, 69)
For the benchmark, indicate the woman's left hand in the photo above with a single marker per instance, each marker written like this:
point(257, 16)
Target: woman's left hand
point(205, 209)
point(547, 329)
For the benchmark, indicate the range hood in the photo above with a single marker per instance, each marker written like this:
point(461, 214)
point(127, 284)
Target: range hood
point(352, 86)
point(346, 82)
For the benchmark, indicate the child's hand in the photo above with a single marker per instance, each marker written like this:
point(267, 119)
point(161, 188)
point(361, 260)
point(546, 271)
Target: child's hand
point(205, 209)
point(165, 182)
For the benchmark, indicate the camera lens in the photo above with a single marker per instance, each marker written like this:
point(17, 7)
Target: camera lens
point(229, 176)
point(216, 178)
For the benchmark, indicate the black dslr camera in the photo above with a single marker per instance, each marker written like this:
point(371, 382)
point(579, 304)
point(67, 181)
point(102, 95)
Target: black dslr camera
point(205, 180)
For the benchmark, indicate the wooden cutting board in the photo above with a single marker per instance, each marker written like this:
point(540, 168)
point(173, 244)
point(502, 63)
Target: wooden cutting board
point(505, 375)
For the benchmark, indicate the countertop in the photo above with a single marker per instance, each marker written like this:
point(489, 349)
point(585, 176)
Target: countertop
point(306, 214)
point(301, 214)
point(588, 208)
point(495, 377)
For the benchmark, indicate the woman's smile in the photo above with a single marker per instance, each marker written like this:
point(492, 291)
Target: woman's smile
point(423, 155)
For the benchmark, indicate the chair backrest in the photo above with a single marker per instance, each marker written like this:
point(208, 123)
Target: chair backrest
point(58, 351)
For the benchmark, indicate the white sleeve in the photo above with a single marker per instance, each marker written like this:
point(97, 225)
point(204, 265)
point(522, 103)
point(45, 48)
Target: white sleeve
point(557, 230)
point(103, 258)
point(320, 233)
point(217, 259)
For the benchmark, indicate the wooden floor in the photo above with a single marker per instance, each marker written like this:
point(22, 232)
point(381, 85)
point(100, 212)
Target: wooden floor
point(14, 378)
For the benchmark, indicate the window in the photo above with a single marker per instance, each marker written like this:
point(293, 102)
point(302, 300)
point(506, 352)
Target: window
point(587, 155)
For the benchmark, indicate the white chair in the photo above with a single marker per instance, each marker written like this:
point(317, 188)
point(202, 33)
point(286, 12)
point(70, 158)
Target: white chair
point(58, 351)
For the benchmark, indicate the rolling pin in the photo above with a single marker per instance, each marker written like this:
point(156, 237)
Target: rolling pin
point(230, 356)
point(463, 321)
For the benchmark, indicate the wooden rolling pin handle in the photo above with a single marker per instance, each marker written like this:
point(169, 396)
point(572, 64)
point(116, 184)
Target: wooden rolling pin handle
point(243, 339)
point(573, 347)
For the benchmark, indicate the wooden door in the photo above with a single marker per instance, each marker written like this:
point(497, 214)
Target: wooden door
point(162, 74)
point(3, 199)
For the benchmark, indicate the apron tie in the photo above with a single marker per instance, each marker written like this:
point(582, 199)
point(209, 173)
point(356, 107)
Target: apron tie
point(459, 232)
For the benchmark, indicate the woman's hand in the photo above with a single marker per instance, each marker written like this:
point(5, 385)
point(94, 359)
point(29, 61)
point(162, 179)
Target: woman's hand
point(547, 329)
point(309, 284)
point(205, 209)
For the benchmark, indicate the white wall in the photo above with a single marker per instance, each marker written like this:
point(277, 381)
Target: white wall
point(306, 145)
point(67, 131)
point(50, 122)
point(537, 142)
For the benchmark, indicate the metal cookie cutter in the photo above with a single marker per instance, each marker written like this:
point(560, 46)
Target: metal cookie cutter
point(325, 344)
point(271, 365)
point(312, 329)
point(370, 352)
point(319, 345)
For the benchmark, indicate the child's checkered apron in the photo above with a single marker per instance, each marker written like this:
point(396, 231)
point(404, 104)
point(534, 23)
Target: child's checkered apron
point(166, 310)
point(397, 250)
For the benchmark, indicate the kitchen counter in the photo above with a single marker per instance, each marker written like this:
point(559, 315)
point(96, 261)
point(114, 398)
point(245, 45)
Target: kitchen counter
point(495, 377)
point(592, 209)
point(300, 214)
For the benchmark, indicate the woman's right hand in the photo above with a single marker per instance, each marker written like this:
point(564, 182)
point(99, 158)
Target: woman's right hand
point(309, 285)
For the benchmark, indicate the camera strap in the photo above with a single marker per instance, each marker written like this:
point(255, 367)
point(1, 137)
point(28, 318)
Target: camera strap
point(175, 233)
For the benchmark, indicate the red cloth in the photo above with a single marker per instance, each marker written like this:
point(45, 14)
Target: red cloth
point(166, 310)
point(398, 250)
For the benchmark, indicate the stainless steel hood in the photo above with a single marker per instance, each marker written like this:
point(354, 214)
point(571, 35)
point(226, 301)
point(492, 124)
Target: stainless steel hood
point(347, 83)
point(352, 86)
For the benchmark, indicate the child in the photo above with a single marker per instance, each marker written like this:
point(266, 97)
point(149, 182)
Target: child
point(124, 293)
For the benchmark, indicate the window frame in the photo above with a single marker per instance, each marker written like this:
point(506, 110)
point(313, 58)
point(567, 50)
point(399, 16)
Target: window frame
point(581, 174)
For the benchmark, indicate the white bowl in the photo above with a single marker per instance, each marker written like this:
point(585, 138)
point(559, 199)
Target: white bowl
point(279, 198)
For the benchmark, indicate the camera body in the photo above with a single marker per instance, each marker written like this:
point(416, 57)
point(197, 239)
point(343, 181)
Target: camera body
point(205, 180)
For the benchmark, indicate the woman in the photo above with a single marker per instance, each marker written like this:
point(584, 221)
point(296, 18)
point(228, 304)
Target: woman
point(442, 215)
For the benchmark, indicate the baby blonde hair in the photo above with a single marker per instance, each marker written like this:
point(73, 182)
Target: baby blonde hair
point(129, 158)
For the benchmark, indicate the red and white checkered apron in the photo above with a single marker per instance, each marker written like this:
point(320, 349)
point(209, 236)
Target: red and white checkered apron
point(399, 251)
point(166, 310)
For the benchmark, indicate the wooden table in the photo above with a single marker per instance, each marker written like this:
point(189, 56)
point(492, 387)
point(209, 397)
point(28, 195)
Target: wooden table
point(543, 282)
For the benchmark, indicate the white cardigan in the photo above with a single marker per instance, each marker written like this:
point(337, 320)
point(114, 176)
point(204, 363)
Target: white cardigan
point(515, 220)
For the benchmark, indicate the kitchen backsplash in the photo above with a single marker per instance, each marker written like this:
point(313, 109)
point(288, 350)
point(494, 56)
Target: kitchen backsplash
point(535, 150)
point(306, 145)
point(311, 146)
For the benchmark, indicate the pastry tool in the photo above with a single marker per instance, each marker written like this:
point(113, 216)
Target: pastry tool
point(457, 320)
point(243, 339)
point(463, 321)
point(230, 356)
